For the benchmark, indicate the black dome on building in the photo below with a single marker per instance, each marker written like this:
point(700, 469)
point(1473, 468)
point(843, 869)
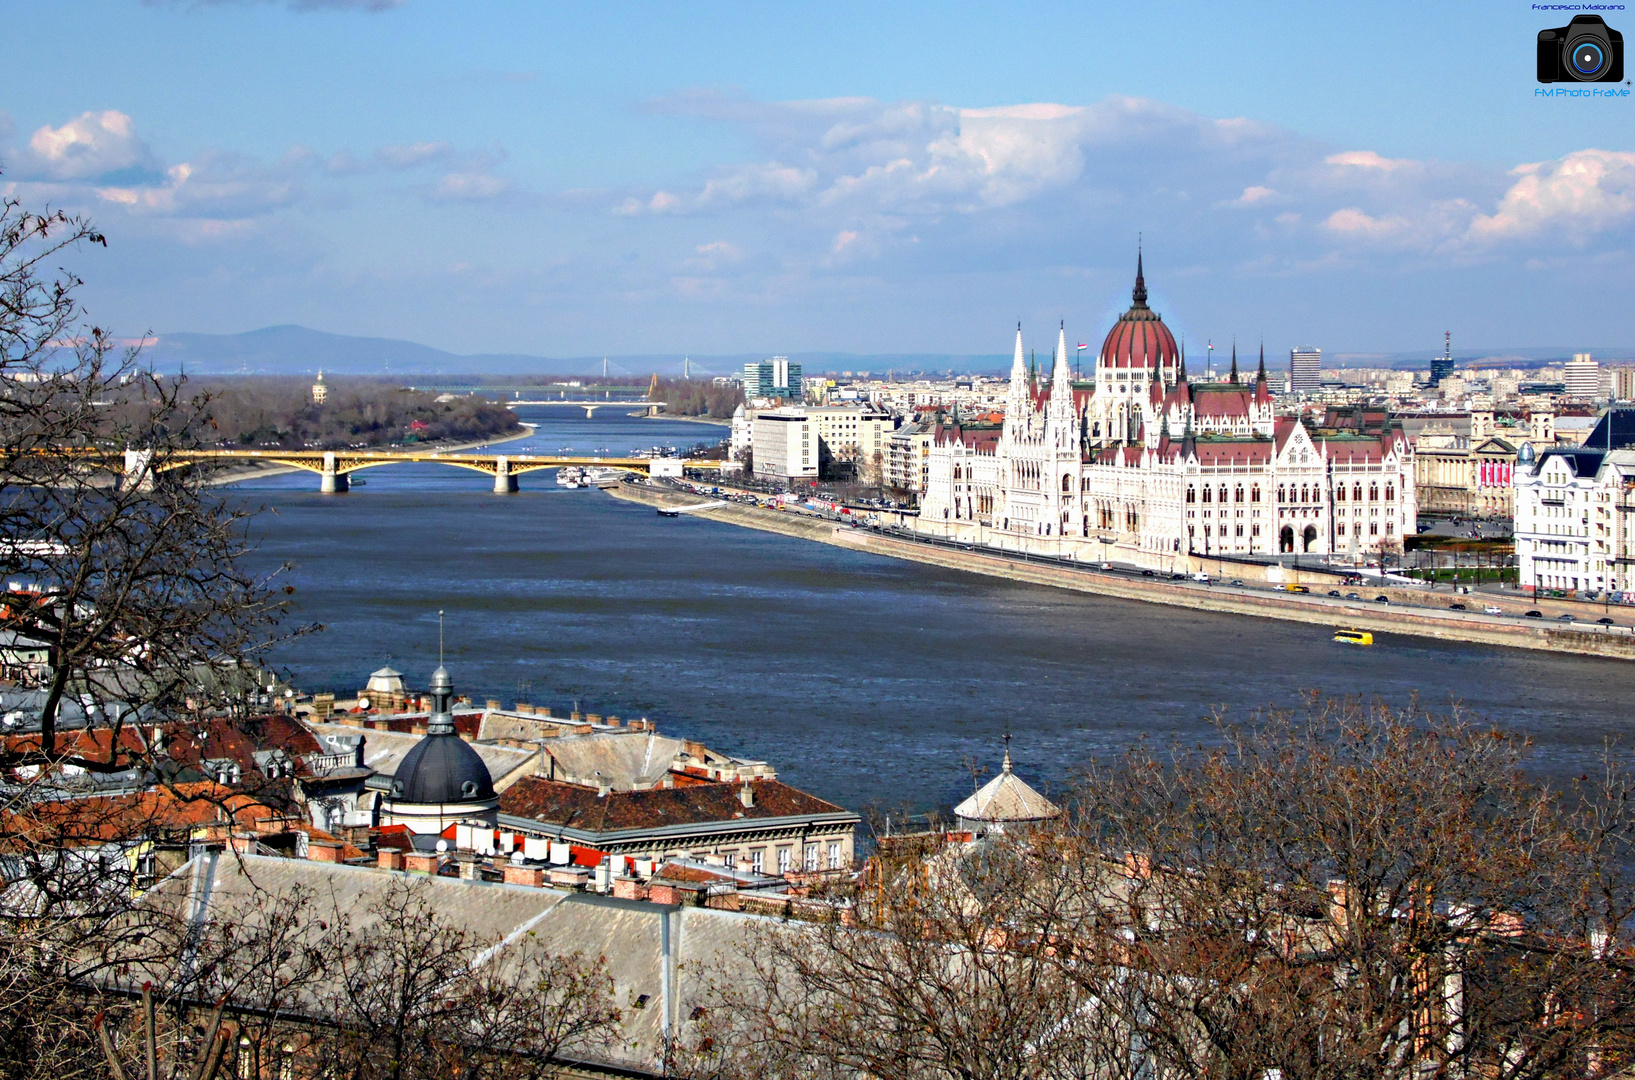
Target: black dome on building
point(441, 768)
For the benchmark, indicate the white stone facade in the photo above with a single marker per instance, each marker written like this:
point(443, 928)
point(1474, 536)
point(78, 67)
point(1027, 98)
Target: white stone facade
point(1146, 465)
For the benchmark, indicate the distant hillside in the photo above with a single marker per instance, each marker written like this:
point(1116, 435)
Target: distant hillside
point(296, 350)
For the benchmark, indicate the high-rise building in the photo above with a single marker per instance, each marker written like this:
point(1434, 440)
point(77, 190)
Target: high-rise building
point(1442, 366)
point(774, 378)
point(1623, 383)
point(1583, 377)
point(1305, 369)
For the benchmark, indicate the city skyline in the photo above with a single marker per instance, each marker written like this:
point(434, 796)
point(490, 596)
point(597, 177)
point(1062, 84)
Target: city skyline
point(717, 182)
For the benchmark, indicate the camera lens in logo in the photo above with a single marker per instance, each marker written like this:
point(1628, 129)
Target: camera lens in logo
point(1588, 59)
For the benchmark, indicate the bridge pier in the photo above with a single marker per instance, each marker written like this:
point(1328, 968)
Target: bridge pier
point(138, 474)
point(590, 411)
point(504, 482)
point(331, 482)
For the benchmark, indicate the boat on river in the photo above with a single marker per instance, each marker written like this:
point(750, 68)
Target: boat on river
point(570, 477)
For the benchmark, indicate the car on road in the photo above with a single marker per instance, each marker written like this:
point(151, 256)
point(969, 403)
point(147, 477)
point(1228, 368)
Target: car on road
point(1352, 596)
point(1147, 573)
point(1176, 575)
point(1533, 615)
point(1605, 622)
point(1237, 583)
point(1106, 566)
point(1201, 576)
point(1494, 609)
point(1457, 607)
point(1334, 593)
point(1382, 599)
point(1566, 618)
point(1297, 588)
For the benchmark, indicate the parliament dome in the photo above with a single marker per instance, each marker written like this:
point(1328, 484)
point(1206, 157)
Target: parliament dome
point(1139, 339)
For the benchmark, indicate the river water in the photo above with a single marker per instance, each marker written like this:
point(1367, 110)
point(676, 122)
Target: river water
point(862, 679)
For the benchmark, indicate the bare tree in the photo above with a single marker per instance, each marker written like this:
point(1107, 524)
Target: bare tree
point(134, 580)
point(1347, 891)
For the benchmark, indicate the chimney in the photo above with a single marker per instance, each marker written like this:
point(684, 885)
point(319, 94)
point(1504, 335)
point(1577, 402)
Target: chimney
point(543, 710)
point(524, 708)
point(531, 876)
point(421, 864)
point(613, 721)
point(695, 749)
point(593, 718)
point(575, 716)
point(746, 795)
point(468, 866)
point(492, 704)
point(389, 859)
point(323, 851)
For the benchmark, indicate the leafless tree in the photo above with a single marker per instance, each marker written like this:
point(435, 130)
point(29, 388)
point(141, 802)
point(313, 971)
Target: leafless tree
point(135, 581)
point(1343, 891)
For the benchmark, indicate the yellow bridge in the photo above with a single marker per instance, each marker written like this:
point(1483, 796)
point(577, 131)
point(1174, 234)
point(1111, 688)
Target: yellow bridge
point(334, 466)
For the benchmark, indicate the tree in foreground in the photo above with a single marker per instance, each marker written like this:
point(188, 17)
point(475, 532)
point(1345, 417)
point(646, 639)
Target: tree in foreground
point(130, 574)
point(1350, 891)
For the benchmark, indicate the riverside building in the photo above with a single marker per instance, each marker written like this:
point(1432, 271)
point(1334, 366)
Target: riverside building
point(1574, 508)
point(1146, 464)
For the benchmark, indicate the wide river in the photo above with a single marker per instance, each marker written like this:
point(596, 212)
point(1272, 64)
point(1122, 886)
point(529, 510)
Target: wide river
point(862, 679)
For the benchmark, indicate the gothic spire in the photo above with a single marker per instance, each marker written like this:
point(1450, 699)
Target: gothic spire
point(1234, 377)
point(1260, 376)
point(1181, 368)
point(1139, 293)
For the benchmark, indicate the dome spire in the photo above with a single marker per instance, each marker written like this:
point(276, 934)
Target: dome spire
point(1139, 293)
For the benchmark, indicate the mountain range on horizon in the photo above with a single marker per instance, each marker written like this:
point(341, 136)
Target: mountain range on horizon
point(299, 350)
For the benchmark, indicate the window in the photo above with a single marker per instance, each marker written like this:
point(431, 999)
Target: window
point(1254, 494)
point(1206, 494)
point(732, 860)
point(1373, 492)
point(783, 860)
point(1356, 493)
point(1223, 493)
point(1341, 528)
point(811, 857)
point(1280, 493)
point(1192, 494)
point(834, 854)
point(1390, 492)
point(1237, 496)
point(1339, 493)
point(757, 861)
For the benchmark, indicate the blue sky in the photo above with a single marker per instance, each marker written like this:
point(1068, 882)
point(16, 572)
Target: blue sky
point(571, 179)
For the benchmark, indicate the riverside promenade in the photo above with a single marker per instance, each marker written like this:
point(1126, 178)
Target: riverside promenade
point(1407, 613)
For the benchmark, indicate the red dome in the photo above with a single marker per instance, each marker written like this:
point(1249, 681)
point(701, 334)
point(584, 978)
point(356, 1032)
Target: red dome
point(1139, 339)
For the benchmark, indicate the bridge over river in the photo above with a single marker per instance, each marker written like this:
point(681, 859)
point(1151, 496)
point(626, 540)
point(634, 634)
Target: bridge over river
point(335, 466)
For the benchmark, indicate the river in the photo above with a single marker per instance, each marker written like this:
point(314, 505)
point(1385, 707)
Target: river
point(862, 679)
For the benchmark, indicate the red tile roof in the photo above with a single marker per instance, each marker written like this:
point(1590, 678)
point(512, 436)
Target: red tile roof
point(555, 803)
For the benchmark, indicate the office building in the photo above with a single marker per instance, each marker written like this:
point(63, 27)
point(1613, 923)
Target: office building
point(1583, 377)
point(785, 445)
point(1305, 370)
point(774, 378)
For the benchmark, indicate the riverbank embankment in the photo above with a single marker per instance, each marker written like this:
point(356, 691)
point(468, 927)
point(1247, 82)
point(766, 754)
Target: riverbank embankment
point(1394, 617)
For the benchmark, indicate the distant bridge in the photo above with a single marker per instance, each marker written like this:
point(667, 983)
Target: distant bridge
point(652, 408)
point(335, 466)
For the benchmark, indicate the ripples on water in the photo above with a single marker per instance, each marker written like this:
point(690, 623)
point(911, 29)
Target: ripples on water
point(860, 678)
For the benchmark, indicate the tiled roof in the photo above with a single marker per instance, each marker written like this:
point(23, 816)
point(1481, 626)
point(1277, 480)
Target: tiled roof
point(555, 803)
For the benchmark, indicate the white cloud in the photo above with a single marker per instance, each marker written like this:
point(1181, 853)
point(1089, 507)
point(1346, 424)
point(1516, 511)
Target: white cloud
point(1367, 159)
point(92, 145)
point(470, 186)
point(1583, 192)
point(398, 157)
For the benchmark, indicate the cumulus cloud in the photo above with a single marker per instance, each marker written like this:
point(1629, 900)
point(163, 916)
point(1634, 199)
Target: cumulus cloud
point(472, 185)
point(849, 180)
point(92, 145)
point(1584, 192)
point(215, 185)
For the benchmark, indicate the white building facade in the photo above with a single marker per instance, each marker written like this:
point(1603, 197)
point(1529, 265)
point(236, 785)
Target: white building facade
point(784, 445)
point(1574, 507)
point(1145, 464)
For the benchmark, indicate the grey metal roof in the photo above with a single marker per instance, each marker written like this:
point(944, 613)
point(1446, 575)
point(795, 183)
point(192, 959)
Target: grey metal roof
point(657, 950)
